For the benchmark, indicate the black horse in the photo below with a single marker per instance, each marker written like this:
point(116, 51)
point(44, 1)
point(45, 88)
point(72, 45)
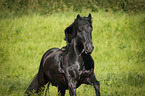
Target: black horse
point(70, 67)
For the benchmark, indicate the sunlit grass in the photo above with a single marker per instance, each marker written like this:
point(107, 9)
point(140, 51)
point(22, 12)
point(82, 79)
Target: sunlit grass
point(119, 54)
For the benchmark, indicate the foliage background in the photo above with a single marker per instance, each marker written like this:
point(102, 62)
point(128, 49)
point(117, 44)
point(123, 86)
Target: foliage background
point(28, 29)
point(52, 6)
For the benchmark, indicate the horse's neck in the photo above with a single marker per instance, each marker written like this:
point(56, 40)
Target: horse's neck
point(73, 48)
point(73, 55)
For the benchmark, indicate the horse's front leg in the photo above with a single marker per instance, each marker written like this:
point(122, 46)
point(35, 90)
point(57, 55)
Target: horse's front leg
point(71, 82)
point(72, 87)
point(93, 81)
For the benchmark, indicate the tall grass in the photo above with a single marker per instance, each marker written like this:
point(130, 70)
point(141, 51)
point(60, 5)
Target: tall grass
point(119, 55)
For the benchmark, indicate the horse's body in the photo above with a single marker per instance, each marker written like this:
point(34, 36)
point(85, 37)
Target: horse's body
point(69, 68)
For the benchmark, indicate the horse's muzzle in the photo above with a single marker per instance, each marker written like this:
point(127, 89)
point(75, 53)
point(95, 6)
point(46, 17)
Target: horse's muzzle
point(89, 49)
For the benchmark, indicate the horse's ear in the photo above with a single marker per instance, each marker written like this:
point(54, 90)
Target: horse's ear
point(78, 16)
point(90, 16)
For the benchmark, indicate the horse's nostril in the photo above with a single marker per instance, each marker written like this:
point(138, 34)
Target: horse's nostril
point(90, 47)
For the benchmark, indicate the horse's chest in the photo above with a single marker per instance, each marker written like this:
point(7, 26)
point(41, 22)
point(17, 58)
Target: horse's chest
point(75, 66)
point(74, 70)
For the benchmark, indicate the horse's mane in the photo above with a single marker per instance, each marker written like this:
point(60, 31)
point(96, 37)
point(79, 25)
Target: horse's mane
point(65, 49)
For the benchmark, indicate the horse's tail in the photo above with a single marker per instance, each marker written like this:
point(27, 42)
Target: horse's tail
point(33, 86)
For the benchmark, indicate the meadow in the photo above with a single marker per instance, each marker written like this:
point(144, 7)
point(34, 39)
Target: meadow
point(119, 54)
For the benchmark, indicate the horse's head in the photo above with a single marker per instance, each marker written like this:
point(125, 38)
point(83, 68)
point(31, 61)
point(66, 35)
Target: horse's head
point(81, 29)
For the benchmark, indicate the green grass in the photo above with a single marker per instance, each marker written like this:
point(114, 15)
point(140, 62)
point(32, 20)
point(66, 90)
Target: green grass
point(119, 55)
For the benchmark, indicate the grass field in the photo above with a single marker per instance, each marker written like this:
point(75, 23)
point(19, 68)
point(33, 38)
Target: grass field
point(119, 55)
